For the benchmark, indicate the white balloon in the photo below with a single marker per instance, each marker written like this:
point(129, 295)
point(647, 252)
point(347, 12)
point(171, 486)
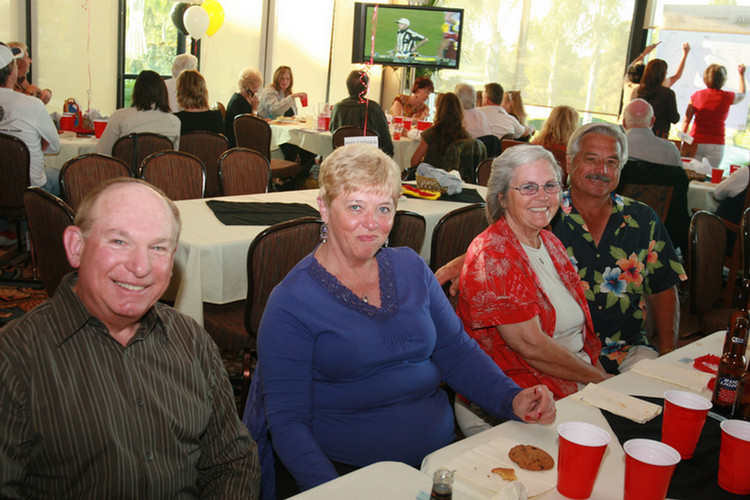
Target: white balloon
point(196, 21)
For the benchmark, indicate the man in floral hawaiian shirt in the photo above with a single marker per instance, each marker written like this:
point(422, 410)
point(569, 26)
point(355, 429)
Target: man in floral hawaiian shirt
point(624, 255)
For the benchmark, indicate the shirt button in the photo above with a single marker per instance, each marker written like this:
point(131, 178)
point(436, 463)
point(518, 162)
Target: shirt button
point(149, 456)
point(598, 255)
point(139, 401)
point(599, 307)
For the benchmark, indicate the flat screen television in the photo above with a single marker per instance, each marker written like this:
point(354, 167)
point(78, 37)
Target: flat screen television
point(407, 35)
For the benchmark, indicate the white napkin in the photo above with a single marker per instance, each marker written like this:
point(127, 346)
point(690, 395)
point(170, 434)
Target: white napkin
point(615, 402)
point(689, 378)
point(476, 467)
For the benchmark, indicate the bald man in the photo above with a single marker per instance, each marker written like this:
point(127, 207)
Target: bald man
point(638, 118)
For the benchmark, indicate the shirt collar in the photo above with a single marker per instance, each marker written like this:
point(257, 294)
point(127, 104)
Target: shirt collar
point(567, 204)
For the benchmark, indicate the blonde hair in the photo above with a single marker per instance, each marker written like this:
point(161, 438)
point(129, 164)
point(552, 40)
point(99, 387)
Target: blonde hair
point(358, 167)
point(192, 92)
point(513, 99)
point(558, 127)
point(249, 76)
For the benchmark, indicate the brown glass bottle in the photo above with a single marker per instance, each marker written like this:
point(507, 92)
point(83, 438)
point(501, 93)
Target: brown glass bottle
point(742, 311)
point(731, 368)
point(742, 401)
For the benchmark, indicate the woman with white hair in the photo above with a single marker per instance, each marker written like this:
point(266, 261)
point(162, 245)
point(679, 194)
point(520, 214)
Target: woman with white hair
point(180, 64)
point(246, 100)
point(475, 122)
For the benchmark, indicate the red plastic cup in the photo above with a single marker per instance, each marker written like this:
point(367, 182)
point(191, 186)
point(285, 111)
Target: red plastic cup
point(398, 119)
point(716, 175)
point(397, 134)
point(407, 125)
point(582, 447)
point(734, 168)
point(303, 100)
point(684, 416)
point(734, 474)
point(327, 124)
point(649, 466)
point(67, 121)
point(99, 126)
point(423, 125)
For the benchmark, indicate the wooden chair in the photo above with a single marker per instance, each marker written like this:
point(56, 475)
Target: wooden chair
point(341, 133)
point(222, 109)
point(705, 261)
point(656, 197)
point(180, 175)
point(48, 216)
point(134, 148)
point(454, 232)
point(254, 133)
point(733, 259)
point(243, 171)
point(15, 164)
point(562, 160)
point(208, 147)
point(81, 174)
point(509, 143)
point(464, 155)
point(484, 169)
point(408, 230)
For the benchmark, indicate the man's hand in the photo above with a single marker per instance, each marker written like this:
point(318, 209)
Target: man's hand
point(451, 272)
point(741, 69)
point(535, 405)
point(685, 48)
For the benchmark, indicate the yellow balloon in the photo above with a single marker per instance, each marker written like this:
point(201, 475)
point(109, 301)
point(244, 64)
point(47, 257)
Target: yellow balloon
point(215, 16)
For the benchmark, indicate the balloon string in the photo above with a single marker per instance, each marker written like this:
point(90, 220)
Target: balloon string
point(366, 87)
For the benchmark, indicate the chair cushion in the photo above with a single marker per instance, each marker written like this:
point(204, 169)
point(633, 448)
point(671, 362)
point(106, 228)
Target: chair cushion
point(284, 168)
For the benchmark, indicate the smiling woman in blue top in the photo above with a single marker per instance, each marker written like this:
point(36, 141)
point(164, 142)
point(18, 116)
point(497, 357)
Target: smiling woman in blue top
point(355, 341)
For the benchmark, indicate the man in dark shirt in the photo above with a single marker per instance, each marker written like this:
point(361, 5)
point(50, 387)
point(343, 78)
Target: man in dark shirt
point(105, 393)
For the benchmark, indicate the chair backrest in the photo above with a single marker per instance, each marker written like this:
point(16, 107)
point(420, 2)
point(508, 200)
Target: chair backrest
point(207, 146)
point(493, 144)
point(243, 171)
point(656, 197)
point(134, 148)
point(454, 232)
point(272, 254)
point(83, 173)
point(15, 164)
point(222, 109)
point(345, 131)
point(745, 229)
point(509, 143)
point(48, 216)
point(180, 175)
point(464, 156)
point(253, 133)
point(706, 253)
point(484, 169)
point(408, 230)
point(561, 157)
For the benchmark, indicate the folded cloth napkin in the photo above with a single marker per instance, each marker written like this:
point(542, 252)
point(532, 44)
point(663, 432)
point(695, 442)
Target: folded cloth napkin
point(689, 378)
point(615, 402)
point(451, 183)
point(235, 213)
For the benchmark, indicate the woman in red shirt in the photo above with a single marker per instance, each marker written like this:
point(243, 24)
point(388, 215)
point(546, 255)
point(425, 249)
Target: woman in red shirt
point(710, 107)
point(521, 298)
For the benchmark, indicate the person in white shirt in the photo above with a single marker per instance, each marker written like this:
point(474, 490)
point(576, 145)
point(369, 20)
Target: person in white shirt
point(501, 122)
point(180, 64)
point(643, 144)
point(25, 117)
point(475, 122)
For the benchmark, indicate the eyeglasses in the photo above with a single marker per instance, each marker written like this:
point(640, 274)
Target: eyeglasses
point(531, 188)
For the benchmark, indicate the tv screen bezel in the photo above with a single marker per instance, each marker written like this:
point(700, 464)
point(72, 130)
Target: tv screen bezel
point(361, 38)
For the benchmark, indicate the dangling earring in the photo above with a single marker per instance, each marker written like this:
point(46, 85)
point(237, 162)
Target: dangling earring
point(324, 232)
point(386, 242)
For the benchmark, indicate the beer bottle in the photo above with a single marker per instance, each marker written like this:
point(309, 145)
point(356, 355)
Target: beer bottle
point(742, 401)
point(731, 368)
point(742, 311)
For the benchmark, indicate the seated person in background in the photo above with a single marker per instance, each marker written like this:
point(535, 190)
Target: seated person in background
point(132, 399)
point(149, 113)
point(475, 122)
point(25, 117)
point(192, 95)
point(23, 84)
point(413, 106)
point(521, 298)
point(513, 104)
point(501, 123)
point(638, 118)
point(277, 99)
point(353, 109)
point(357, 338)
point(730, 194)
point(557, 128)
point(181, 63)
point(244, 101)
point(446, 129)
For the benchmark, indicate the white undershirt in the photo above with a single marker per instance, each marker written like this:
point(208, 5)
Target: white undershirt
point(569, 316)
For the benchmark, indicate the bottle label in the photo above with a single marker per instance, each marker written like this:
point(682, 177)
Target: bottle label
point(727, 390)
point(738, 340)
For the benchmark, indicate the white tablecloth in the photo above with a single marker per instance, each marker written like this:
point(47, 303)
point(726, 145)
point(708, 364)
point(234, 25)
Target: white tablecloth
point(70, 147)
point(210, 262)
point(321, 144)
point(609, 482)
point(379, 481)
point(700, 196)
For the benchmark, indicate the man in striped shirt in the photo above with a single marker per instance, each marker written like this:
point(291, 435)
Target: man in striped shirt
point(106, 393)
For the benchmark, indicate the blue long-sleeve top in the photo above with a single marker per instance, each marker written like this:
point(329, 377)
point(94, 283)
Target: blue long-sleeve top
point(346, 381)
